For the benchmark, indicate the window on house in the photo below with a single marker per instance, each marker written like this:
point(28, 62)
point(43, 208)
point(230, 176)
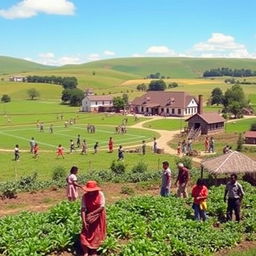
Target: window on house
point(96, 102)
point(173, 111)
point(179, 111)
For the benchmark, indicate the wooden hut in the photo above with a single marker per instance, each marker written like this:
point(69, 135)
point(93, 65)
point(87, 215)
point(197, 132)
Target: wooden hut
point(233, 162)
point(250, 137)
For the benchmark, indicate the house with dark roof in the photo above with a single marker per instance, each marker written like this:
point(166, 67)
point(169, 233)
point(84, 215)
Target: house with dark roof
point(204, 123)
point(250, 137)
point(96, 103)
point(165, 103)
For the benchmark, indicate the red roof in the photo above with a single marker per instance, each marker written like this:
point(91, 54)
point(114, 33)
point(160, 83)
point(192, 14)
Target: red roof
point(250, 134)
point(164, 99)
point(209, 117)
point(100, 97)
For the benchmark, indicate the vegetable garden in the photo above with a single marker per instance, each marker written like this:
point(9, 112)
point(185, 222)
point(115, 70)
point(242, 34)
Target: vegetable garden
point(144, 226)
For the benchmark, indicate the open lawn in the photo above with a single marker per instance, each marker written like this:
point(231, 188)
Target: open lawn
point(166, 124)
point(238, 126)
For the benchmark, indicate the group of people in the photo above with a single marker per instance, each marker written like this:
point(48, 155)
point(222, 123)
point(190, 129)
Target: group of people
point(185, 147)
point(91, 128)
point(209, 145)
point(233, 192)
point(40, 126)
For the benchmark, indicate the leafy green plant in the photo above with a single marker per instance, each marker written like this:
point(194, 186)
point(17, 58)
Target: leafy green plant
point(59, 173)
point(140, 167)
point(118, 167)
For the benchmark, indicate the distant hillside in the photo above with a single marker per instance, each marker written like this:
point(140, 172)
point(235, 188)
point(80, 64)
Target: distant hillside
point(10, 65)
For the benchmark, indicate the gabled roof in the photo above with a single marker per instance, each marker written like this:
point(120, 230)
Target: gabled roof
point(250, 134)
point(233, 162)
point(100, 97)
point(209, 117)
point(164, 99)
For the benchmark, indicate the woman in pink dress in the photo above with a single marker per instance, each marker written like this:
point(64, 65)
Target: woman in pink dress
point(72, 192)
point(93, 216)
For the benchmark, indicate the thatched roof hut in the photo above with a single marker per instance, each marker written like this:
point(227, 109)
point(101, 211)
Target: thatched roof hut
point(233, 162)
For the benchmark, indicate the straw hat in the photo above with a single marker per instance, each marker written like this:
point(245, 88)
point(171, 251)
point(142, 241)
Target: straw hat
point(91, 185)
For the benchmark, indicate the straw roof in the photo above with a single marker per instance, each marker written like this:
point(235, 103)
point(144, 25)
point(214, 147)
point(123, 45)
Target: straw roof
point(233, 162)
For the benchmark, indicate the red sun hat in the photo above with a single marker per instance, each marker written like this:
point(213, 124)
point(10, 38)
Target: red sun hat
point(91, 185)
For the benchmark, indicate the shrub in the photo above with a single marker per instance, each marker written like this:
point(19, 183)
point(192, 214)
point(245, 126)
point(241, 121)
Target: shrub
point(185, 160)
point(118, 167)
point(127, 190)
point(6, 98)
point(59, 173)
point(253, 126)
point(140, 168)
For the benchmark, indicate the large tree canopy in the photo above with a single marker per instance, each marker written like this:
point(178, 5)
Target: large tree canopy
point(157, 85)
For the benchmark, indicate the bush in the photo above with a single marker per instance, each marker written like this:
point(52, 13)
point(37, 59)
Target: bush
point(185, 160)
point(118, 167)
point(59, 173)
point(140, 168)
point(127, 190)
point(253, 126)
point(6, 98)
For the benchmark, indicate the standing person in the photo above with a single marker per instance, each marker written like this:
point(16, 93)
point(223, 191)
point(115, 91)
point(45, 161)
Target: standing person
point(179, 148)
point(51, 128)
point(66, 124)
point(200, 194)
point(96, 146)
point(72, 146)
point(16, 153)
point(36, 151)
point(84, 148)
point(235, 193)
point(189, 146)
point(182, 180)
point(211, 145)
point(110, 145)
point(72, 192)
point(154, 145)
point(166, 180)
point(32, 143)
point(78, 141)
point(143, 147)
point(206, 144)
point(60, 151)
point(184, 147)
point(93, 216)
point(41, 128)
point(120, 153)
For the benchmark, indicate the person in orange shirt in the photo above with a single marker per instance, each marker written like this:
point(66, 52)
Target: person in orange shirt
point(200, 194)
point(36, 151)
point(206, 144)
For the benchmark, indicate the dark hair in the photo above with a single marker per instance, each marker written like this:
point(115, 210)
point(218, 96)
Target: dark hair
point(166, 162)
point(17, 146)
point(200, 182)
point(233, 175)
point(73, 169)
point(59, 145)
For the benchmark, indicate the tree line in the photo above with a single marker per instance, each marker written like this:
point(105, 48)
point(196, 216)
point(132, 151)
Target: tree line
point(156, 85)
point(234, 81)
point(66, 82)
point(157, 75)
point(229, 72)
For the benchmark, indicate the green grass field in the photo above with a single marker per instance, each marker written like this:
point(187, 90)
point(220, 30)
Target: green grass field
point(238, 126)
point(166, 124)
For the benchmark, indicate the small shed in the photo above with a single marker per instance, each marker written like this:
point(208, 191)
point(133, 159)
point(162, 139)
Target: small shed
point(233, 162)
point(250, 137)
point(207, 123)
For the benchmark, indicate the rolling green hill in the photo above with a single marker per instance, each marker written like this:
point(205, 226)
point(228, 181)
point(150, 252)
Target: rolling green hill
point(10, 65)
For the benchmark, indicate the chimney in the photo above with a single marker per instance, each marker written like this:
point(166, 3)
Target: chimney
point(200, 105)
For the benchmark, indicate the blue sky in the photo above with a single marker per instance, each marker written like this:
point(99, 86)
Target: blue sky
point(58, 32)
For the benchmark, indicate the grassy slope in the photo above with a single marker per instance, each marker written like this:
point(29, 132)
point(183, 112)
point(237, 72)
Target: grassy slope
point(13, 65)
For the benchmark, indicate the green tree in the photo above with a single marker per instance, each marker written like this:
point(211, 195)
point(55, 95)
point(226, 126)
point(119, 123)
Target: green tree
point(125, 98)
point(118, 103)
point(240, 142)
point(33, 93)
point(216, 96)
point(157, 85)
point(66, 95)
point(76, 98)
point(253, 126)
point(6, 98)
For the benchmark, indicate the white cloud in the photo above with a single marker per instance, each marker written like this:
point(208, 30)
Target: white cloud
point(137, 55)
point(221, 45)
point(30, 8)
point(109, 53)
point(159, 50)
point(93, 57)
point(47, 55)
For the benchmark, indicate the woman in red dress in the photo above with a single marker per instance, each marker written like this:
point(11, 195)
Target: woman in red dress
point(60, 151)
point(93, 216)
point(110, 145)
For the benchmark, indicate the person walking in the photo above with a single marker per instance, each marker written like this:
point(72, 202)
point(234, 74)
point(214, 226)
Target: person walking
point(16, 153)
point(143, 147)
point(72, 184)
point(120, 153)
point(211, 145)
point(206, 144)
point(184, 147)
point(96, 146)
point(110, 145)
point(32, 143)
point(36, 151)
point(78, 141)
point(93, 215)
point(182, 180)
point(235, 193)
point(84, 148)
point(60, 151)
point(51, 128)
point(166, 180)
point(179, 148)
point(72, 146)
point(154, 145)
point(200, 194)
